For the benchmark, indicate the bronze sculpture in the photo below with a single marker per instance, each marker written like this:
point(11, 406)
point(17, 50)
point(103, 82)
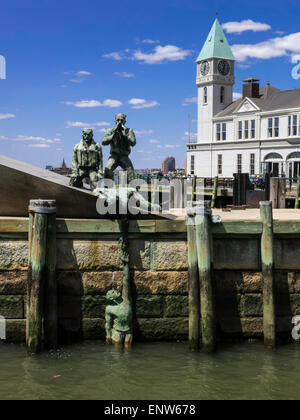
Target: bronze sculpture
point(118, 313)
point(87, 161)
point(120, 139)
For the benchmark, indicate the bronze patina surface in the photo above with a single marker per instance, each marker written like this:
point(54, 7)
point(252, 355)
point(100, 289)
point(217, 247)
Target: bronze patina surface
point(120, 139)
point(87, 161)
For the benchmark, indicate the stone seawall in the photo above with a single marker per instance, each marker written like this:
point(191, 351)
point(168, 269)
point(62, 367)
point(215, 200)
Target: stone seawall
point(88, 265)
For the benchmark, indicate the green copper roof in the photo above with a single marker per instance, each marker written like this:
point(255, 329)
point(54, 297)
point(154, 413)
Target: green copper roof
point(216, 45)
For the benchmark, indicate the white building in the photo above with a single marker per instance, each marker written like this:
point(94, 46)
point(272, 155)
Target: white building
point(259, 132)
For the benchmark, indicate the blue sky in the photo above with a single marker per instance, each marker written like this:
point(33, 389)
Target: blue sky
point(74, 63)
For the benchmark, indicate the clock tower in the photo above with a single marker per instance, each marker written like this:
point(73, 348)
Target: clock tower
point(215, 80)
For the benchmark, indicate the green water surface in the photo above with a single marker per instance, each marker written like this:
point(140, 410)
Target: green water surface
point(150, 371)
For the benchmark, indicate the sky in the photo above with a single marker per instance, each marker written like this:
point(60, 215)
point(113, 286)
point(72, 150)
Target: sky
point(72, 64)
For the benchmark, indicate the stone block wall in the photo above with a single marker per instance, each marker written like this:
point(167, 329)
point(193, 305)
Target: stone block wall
point(87, 268)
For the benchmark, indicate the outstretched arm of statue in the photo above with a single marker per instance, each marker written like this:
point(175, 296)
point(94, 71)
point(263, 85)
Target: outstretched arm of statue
point(108, 326)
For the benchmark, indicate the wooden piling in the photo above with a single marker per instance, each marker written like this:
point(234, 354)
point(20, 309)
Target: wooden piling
point(50, 299)
point(267, 258)
point(281, 193)
point(204, 252)
point(297, 202)
point(194, 188)
point(41, 289)
point(274, 183)
point(193, 286)
point(215, 193)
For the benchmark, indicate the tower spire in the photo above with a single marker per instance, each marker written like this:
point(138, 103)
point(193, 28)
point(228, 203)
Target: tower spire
point(216, 44)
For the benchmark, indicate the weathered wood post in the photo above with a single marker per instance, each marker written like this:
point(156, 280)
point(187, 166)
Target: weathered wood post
point(204, 250)
point(215, 193)
point(194, 188)
point(297, 203)
point(50, 297)
point(267, 258)
point(193, 285)
point(41, 285)
point(274, 183)
point(281, 193)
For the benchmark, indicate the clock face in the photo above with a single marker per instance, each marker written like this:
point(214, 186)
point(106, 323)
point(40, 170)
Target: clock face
point(204, 68)
point(223, 67)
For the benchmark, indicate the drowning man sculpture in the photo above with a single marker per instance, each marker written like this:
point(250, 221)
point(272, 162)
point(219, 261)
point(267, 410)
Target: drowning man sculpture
point(118, 313)
point(120, 139)
point(87, 161)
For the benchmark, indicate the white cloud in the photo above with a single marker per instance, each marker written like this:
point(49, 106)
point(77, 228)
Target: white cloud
point(172, 146)
point(37, 139)
point(147, 152)
point(188, 101)
point(39, 145)
point(187, 135)
point(245, 25)
point(162, 54)
point(77, 124)
point(124, 74)
point(154, 141)
point(237, 95)
point(137, 103)
point(288, 45)
point(150, 41)
point(140, 133)
point(168, 146)
point(3, 138)
point(7, 116)
point(115, 55)
point(111, 103)
point(83, 73)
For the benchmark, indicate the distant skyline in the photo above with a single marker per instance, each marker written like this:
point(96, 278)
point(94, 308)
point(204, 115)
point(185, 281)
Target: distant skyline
point(75, 64)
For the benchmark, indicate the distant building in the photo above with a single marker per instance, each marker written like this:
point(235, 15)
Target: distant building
point(168, 165)
point(62, 170)
point(257, 133)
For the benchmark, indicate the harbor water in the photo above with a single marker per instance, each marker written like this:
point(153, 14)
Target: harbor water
point(149, 371)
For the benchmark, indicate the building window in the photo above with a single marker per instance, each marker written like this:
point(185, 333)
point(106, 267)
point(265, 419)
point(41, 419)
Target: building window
point(253, 129)
point(218, 132)
point(239, 163)
point(276, 127)
point(224, 129)
point(293, 125)
point(192, 164)
point(252, 164)
point(270, 127)
point(205, 95)
point(222, 95)
point(240, 130)
point(273, 127)
point(246, 130)
point(220, 164)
